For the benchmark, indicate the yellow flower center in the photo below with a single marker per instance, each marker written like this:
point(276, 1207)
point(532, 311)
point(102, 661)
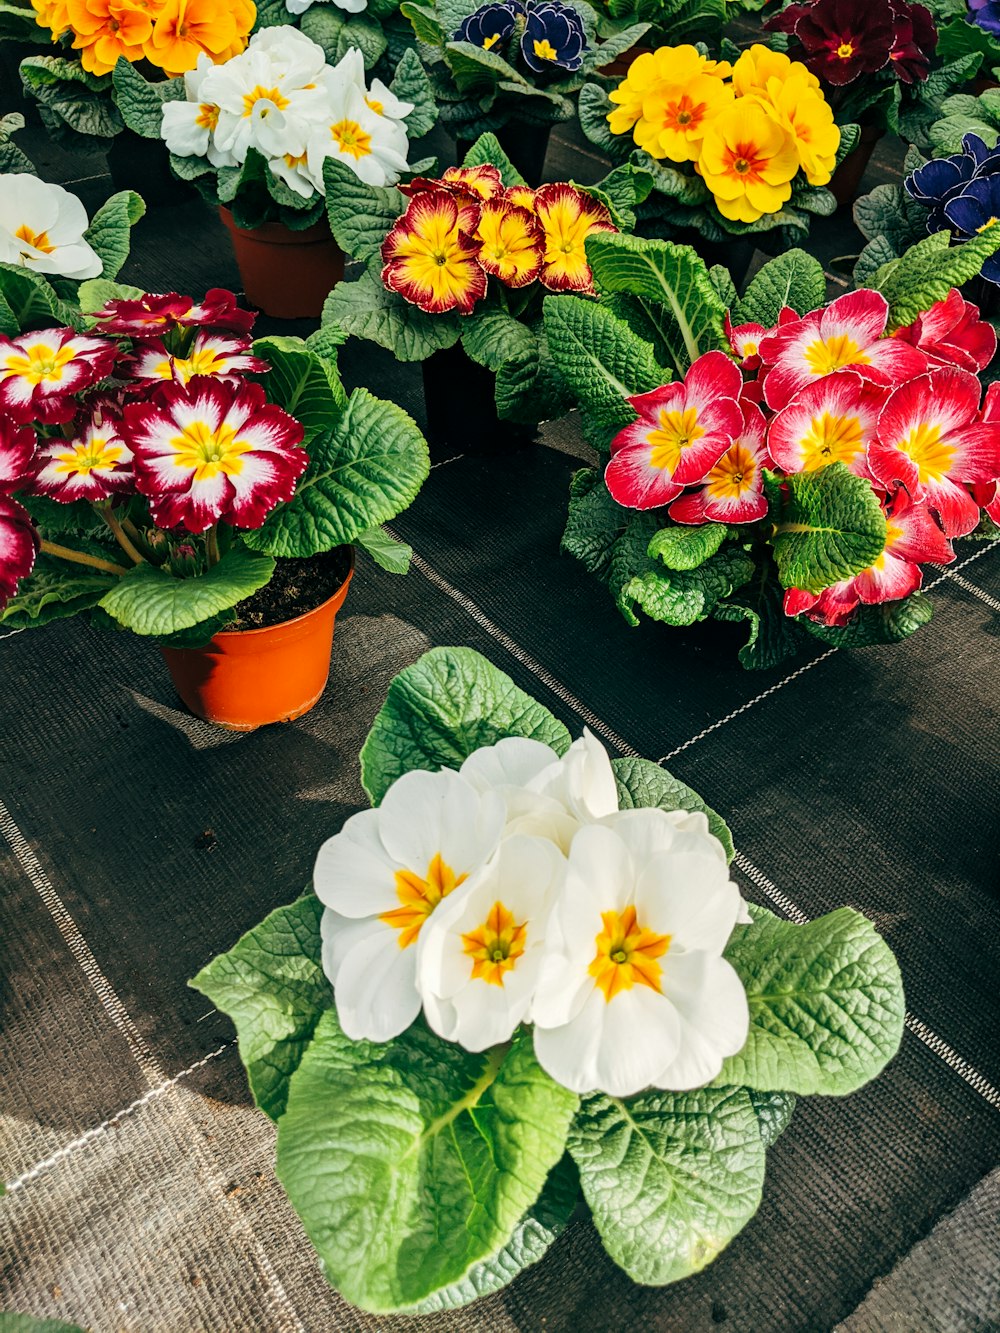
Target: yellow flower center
point(38, 239)
point(931, 455)
point(418, 896)
point(733, 474)
point(208, 116)
point(845, 50)
point(203, 361)
point(209, 451)
point(985, 227)
point(350, 138)
point(826, 355)
point(39, 363)
point(83, 457)
point(831, 439)
point(544, 49)
point(376, 105)
point(292, 161)
point(491, 41)
point(626, 955)
point(677, 429)
point(261, 94)
point(749, 348)
point(495, 946)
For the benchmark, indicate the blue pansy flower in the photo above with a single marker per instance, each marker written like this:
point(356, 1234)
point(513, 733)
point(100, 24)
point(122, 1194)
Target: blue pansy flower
point(975, 209)
point(985, 14)
point(553, 37)
point(490, 26)
point(944, 178)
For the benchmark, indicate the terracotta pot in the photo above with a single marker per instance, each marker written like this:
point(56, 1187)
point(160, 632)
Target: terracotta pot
point(847, 177)
point(245, 679)
point(526, 146)
point(619, 67)
point(142, 165)
point(286, 273)
point(460, 399)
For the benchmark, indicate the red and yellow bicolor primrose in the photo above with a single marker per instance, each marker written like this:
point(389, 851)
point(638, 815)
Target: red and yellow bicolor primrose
point(465, 227)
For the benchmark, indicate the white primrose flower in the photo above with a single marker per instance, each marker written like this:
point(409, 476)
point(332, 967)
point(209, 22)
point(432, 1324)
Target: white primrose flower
point(634, 991)
point(479, 956)
point(42, 228)
point(384, 102)
point(351, 6)
point(188, 127)
point(268, 101)
point(293, 169)
point(382, 877)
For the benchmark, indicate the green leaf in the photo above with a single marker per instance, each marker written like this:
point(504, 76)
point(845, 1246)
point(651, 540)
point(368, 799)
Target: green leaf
point(645, 785)
point(365, 309)
point(55, 589)
point(677, 597)
point(673, 286)
point(272, 985)
point(425, 24)
point(437, 711)
point(529, 389)
point(110, 230)
point(594, 523)
point(362, 474)
point(70, 97)
point(360, 215)
point(411, 84)
point(687, 548)
point(876, 254)
point(336, 32)
point(476, 70)
point(723, 283)
point(889, 214)
point(832, 528)
point(386, 551)
point(793, 279)
point(534, 1234)
point(487, 150)
point(31, 301)
point(774, 637)
point(928, 271)
point(670, 1177)
point(773, 1111)
point(826, 1004)
point(148, 600)
point(890, 622)
point(141, 102)
point(493, 337)
point(95, 293)
point(593, 106)
point(411, 1162)
point(11, 157)
point(305, 384)
point(600, 359)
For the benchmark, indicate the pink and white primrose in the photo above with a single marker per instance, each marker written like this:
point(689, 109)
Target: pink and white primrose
point(745, 339)
point(682, 431)
point(210, 354)
point(211, 451)
point(381, 879)
point(17, 452)
point(40, 372)
point(932, 440)
point(912, 538)
point(849, 332)
point(830, 420)
point(481, 952)
point(634, 991)
point(93, 464)
point(18, 546)
point(952, 333)
point(734, 488)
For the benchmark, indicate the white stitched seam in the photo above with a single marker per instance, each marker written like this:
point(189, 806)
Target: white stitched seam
point(151, 1096)
point(971, 587)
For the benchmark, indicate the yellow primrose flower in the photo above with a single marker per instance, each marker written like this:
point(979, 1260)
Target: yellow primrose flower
point(652, 70)
point(759, 64)
point(51, 14)
point(748, 160)
point(807, 117)
point(675, 117)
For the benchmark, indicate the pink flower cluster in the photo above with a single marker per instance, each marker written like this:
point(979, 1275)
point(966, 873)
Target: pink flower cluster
point(901, 411)
point(154, 404)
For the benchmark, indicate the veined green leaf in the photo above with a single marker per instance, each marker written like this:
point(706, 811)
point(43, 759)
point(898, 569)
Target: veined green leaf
point(643, 784)
point(365, 309)
point(929, 269)
point(140, 102)
point(360, 215)
point(687, 547)
point(110, 230)
point(832, 528)
point(304, 383)
point(386, 551)
point(794, 279)
point(594, 523)
point(148, 600)
point(55, 589)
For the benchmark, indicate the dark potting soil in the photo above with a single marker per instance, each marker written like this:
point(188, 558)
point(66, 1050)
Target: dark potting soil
point(297, 586)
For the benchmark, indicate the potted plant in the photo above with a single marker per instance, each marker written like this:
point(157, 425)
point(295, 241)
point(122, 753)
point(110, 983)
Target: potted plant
point(456, 269)
point(686, 119)
point(511, 68)
point(524, 983)
point(75, 86)
point(773, 459)
point(253, 135)
point(148, 477)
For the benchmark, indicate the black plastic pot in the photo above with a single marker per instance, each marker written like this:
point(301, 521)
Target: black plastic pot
point(143, 165)
point(460, 399)
point(525, 145)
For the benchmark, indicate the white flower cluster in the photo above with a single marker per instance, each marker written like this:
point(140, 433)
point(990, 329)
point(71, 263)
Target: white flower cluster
point(42, 228)
point(282, 98)
point(514, 891)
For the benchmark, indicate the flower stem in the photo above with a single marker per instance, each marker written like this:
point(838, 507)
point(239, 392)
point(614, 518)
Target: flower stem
point(212, 545)
point(81, 558)
point(122, 538)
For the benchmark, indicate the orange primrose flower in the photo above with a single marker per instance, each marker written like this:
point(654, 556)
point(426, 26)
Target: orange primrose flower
point(675, 117)
point(107, 29)
point(184, 29)
point(51, 14)
point(429, 260)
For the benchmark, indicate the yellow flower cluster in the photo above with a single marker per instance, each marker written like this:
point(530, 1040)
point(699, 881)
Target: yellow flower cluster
point(170, 34)
point(748, 128)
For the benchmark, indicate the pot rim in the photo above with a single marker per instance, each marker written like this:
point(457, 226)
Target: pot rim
point(295, 620)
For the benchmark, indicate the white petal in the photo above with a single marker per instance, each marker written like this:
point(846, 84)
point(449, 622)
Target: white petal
point(376, 990)
point(690, 897)
point(512, 762)
point(424, 815)
point(354, 874)
point(712, 1005)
